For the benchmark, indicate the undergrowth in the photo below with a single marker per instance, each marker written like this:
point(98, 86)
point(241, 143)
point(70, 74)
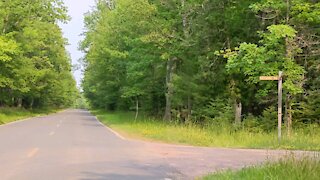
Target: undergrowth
point(291, 168)
point(8, 115)
point(214, 135)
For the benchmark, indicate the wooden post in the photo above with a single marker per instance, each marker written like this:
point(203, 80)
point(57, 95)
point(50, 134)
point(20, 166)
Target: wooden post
point(279, 106)
point(279, 79)
point(137, 109)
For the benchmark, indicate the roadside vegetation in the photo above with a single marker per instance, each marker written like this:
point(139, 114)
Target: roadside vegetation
point(193, 68)
point(287, 168)
point(35, 67)
point(8, 115)
point(212, 135)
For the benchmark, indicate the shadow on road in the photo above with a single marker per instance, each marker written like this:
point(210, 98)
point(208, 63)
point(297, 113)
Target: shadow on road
point(131, 171)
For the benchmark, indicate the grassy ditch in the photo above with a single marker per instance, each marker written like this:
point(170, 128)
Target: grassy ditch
point(211, 136)
point(8, 115)
point(286, 168)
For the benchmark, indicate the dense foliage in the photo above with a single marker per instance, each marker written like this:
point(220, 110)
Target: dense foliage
point(200, 60)
point(35, 69)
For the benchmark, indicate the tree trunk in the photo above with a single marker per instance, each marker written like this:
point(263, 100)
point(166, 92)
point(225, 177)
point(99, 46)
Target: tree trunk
point(189, 108)
point(184, 20)
point(5, 21)
point(137, 109)
point(186, 34)
point(238, 112)
point(263, 23)
point(288, 4)
point(289, 56)
point(13, 101)
point(19, 102)
point(110, 4)
point(171, 65)
point(288, 115)
point(31, 103)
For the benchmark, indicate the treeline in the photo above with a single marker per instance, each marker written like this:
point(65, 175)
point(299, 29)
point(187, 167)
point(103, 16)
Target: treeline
point(35, 69)
point(200, 60)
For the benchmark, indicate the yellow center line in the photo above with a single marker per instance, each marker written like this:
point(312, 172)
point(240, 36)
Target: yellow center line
point(33, 152)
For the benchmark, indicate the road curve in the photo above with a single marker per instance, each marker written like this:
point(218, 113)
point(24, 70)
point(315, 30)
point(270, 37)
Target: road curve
point(74, 145)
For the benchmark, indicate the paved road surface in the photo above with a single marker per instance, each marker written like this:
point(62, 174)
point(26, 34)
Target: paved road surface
point(74, 145)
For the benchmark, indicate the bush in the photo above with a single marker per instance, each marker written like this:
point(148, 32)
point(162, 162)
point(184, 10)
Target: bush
point(218, 112)
point(268, 120)
point(251, 123)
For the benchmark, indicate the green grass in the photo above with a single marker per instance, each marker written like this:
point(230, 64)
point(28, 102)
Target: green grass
point(8, 115)
point(211, 136)
point(307, 168)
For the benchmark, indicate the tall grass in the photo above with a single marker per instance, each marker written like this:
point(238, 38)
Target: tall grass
point(291, 168)
point(212, 136)
point(12, 114)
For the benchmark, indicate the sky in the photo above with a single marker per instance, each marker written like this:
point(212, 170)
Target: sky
point(72, 31)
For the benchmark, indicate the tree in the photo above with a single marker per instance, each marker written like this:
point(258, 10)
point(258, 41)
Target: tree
point(161, 57)
point(34, 61)
point(303, 15)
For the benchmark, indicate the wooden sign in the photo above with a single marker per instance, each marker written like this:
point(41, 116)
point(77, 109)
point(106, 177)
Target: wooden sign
point(279, 79)
point(269, 78)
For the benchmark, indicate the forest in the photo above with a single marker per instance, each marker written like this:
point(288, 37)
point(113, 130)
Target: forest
point(199, 61)
point(35, 68)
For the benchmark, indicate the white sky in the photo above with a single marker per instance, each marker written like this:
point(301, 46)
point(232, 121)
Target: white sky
point(74, 28)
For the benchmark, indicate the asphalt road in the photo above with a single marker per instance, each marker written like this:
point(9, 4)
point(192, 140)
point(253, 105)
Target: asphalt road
point(74, 145)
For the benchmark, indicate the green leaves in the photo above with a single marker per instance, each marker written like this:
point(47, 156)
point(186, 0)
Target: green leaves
point(294, 76)
point(276, 35)
point(193, 51)
point(34, 65)
point(118, 58)
point(268, 5)
point(306, 12)
point(251, 61)
point(8, 48)
point(248, 59)
point(281, 31)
